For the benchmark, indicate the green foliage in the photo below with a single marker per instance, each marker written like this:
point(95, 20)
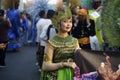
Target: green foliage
point(111, 22)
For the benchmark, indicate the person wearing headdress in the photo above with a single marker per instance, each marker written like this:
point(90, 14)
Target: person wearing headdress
point(58, 61)
point(83, 29)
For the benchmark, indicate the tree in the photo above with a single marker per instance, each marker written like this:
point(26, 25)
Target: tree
point(111, 22)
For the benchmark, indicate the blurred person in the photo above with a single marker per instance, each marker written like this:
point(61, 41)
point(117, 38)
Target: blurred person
point(4, 39)
point(14, 32)
point(40, 23)
point(24, 25)
point(82, 30)
point(74, 18)
point(85, 31)
point(40, 29)
point(30, 23)
point(48, 32)
point(93, 38)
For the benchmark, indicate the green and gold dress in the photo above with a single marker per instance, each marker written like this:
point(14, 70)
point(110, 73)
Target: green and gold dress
point(63, 51)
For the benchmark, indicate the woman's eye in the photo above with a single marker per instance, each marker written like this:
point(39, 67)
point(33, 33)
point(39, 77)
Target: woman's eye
point(70, 21)
point(65, 21)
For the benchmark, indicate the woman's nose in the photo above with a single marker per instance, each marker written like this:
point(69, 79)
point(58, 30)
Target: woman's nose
point(68, 24)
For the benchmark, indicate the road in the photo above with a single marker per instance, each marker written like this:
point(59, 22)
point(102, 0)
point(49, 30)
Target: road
point(21, 65)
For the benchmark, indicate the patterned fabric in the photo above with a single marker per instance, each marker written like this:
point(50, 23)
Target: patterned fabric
point(62, 13)
point(63, 51)
point(90, 76)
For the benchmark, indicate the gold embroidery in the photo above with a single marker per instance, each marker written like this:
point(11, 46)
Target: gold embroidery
point(51, 46)
point(84, 40)
point(46, 58)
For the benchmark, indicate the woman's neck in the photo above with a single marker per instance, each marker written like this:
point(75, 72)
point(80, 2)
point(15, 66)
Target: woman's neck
point(62, 35)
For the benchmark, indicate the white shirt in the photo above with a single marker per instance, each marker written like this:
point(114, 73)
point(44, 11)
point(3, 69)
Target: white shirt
point(43, 36)
point(40, 24)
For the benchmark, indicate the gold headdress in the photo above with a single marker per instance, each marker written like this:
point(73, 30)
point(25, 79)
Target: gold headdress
point(62, 13)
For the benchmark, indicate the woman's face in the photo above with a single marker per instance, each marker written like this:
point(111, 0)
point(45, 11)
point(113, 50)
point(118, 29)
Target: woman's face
point(65, 25)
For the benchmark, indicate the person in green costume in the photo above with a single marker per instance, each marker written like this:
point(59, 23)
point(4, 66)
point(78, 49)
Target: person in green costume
point(58, 63)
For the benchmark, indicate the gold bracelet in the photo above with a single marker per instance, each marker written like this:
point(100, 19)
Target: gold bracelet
point(60, 65)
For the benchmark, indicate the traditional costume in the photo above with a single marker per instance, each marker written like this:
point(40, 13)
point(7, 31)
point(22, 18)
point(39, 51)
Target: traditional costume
point(14, 32)
point(63, 50)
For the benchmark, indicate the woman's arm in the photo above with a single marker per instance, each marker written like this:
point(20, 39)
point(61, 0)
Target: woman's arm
point(47, 62)
point(77, 46)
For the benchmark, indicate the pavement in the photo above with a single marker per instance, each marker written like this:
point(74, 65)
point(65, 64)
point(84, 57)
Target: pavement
point(21, 65)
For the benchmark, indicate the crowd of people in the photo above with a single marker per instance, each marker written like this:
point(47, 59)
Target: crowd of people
point(55, 57)
point(73, 32)
point(58, 34)
point(55, 40)
point(16, 30)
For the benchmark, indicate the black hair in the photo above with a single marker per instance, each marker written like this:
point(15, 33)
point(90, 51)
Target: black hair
point(42, 13)
point(50, 13)
point(2, 12)
point(73, 11)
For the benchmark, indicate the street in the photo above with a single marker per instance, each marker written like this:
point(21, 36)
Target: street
point(20, 65)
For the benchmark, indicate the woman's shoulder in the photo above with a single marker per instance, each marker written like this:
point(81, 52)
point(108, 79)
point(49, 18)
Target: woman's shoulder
point(72, 38)
point(56, 40)
point(52, 42)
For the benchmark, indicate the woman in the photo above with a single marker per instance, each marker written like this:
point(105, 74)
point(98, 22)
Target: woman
point(58, 61)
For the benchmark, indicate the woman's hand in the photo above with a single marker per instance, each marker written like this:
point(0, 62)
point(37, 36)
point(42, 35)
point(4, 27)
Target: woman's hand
point(2, 46)
point(69, 64)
